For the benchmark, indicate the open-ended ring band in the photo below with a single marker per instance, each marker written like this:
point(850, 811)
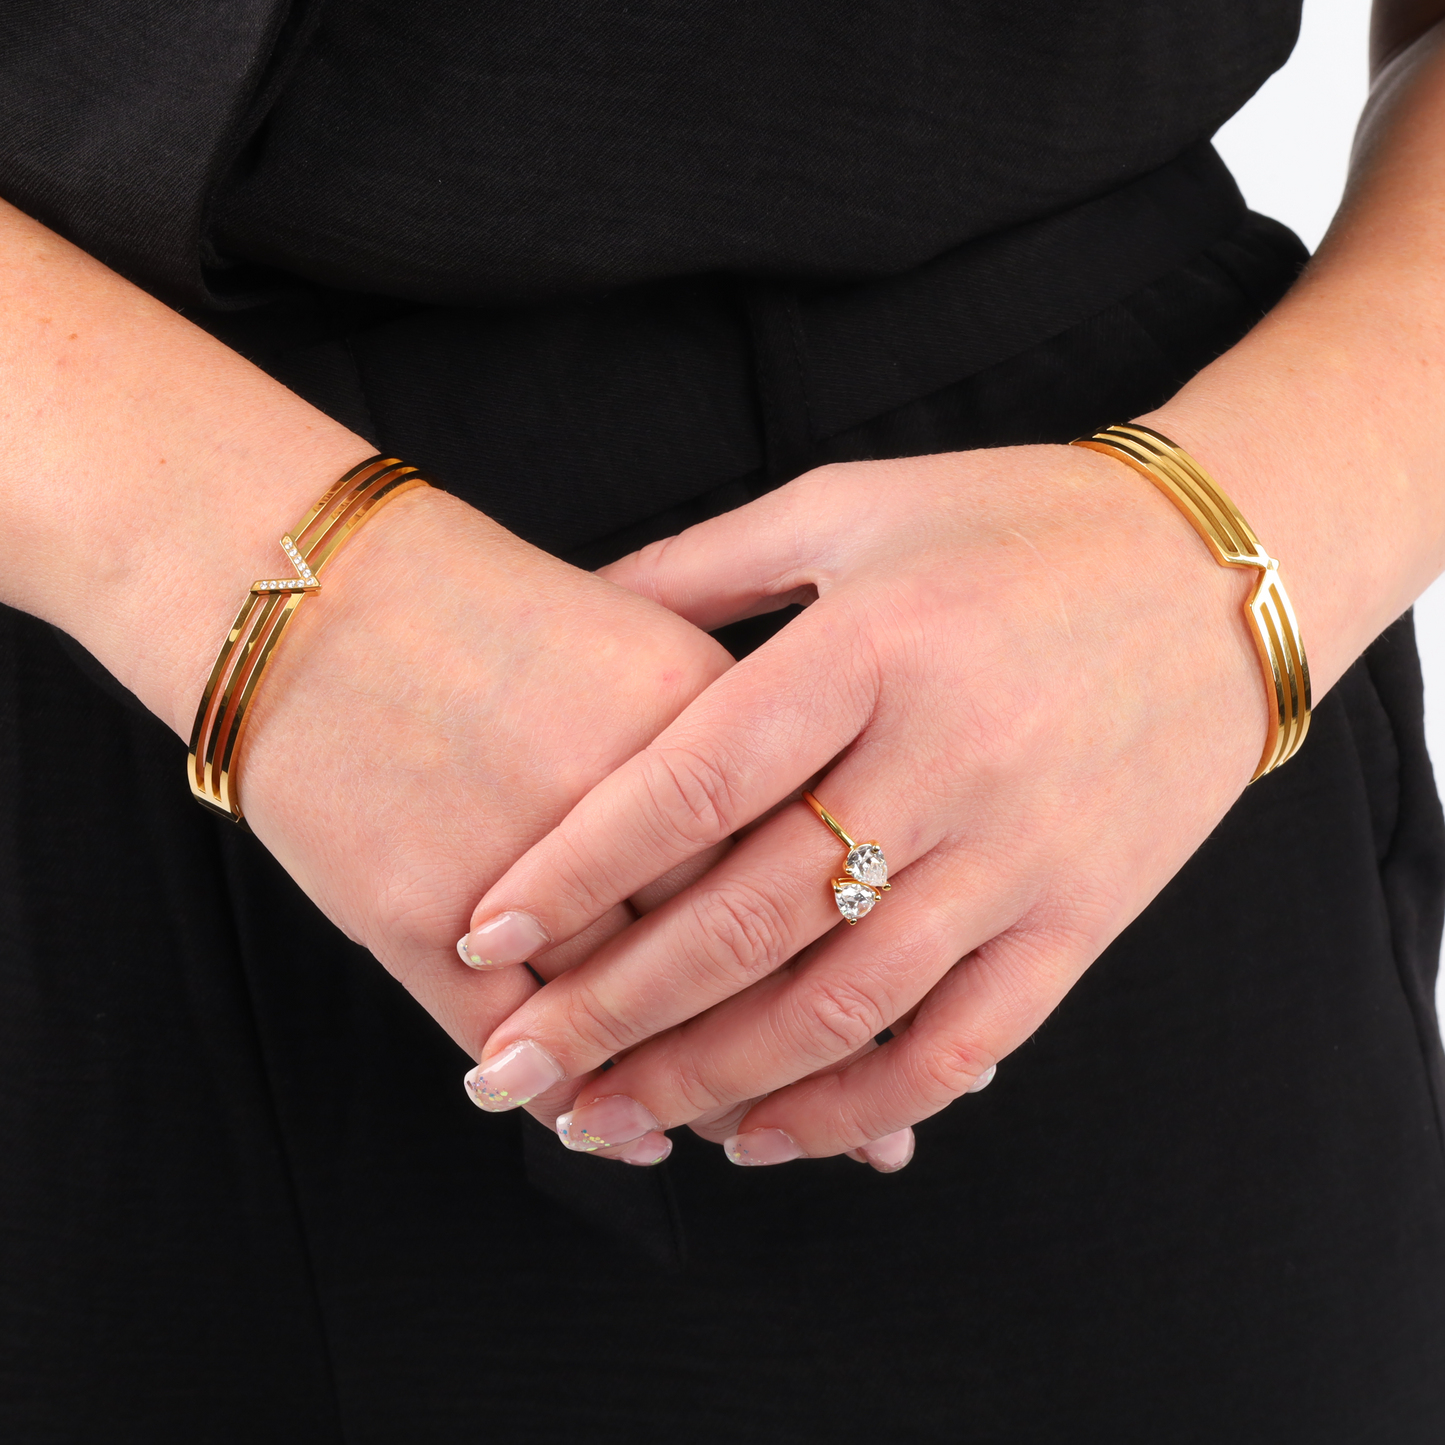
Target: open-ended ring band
point(867, 868)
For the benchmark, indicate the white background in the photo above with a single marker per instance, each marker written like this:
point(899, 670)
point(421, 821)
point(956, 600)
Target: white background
point(1289, 148)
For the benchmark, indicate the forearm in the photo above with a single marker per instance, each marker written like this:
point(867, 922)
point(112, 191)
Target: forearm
point(1327, 423)
point(149, 470)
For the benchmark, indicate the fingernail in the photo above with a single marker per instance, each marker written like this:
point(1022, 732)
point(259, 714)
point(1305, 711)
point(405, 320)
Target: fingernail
point(517, 1074)
point(983, 1080)
point(651, 1149)
point(507, 938)
point(890, 1153)
point(613, 1120)
point(762, 1146)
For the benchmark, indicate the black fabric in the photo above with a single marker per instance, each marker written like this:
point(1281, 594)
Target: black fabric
point(119, 116)
point(471, 395)
point(243, 1197)
point(489, 153)
point(494, 153)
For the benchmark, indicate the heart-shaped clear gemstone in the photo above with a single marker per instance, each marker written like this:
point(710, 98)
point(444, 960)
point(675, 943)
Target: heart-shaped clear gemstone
point(868, 865)
point(853, 899)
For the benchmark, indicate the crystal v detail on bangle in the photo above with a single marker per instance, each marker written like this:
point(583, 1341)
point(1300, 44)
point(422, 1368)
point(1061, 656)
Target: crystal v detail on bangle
point(220, 725)
point(1232, 541)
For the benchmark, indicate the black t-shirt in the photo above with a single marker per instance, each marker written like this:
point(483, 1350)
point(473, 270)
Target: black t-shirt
point(475, 152)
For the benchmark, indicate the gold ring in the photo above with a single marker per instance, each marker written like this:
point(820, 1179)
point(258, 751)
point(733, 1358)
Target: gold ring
point(867, 869)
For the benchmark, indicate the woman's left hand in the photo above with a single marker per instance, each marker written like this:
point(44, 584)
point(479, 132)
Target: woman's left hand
point(1023, 675)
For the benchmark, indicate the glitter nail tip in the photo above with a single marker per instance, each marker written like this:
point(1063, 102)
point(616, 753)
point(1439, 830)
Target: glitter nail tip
point(515, 1077)
point(615, 1119)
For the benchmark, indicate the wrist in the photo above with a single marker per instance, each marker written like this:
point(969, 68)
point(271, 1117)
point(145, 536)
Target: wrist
point(1328, 487)
point(1324, 424)
point(149, 469)
point(168, 583)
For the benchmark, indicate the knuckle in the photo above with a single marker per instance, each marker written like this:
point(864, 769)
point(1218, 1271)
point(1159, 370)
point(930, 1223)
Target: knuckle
point(650, 561)
point(591, 1028)
point(694, 1096)
point(844, 1018)
point(748, 930)
point(948, 1068)
point(690, 798)
point(578, 877)
point(678, 1079)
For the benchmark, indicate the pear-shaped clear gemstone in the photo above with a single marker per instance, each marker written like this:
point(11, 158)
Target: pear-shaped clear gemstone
point(853, 899)
point(868, 865)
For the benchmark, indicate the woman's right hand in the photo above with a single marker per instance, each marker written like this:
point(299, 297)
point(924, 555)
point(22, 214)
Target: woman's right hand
point(434, 711)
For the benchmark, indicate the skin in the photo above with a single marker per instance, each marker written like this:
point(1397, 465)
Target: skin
point(400, 755)
point(991, 671)
point(150, 471)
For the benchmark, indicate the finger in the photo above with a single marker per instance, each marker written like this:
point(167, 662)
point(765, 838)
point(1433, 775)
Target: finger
point(554, 962)
point(754, 559)
point(720, 1124)
point(983, 1009)
point(821, 1011)
point(512, 938)
point(895, 1151)
point(770, 899)
point(545, 1093)
point(887, 1155)
point(652, 896)
point(764, 727)
point(557, 1098)
point(651, 1149)
point(547, 1107)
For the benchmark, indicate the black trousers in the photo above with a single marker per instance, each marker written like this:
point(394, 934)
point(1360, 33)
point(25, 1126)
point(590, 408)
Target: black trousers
point(242, 1197)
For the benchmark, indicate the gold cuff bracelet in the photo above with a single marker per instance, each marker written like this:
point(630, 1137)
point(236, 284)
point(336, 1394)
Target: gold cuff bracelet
point(1232, 541)
point(251, 643)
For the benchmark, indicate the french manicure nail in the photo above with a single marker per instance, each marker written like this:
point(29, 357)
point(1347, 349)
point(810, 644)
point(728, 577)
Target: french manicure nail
point(507, 938)
point(890, 1153)
point(613, 1120)
point(651, 1149)
point(517, 1074)
point(762, 1146)
point(983, 1080)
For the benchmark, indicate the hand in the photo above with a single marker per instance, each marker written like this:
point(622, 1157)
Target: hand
point(1023, 674)
point(455, 695)
point(444, 702)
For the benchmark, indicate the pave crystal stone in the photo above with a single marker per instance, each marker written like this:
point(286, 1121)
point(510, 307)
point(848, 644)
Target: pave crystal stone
point(867, 864)
point(853, 899)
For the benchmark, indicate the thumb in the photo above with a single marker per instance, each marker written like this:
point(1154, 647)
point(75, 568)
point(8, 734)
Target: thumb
point(746, 562)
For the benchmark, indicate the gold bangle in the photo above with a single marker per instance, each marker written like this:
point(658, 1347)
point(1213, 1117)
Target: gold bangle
point(250, 645)
point(1232, 541)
